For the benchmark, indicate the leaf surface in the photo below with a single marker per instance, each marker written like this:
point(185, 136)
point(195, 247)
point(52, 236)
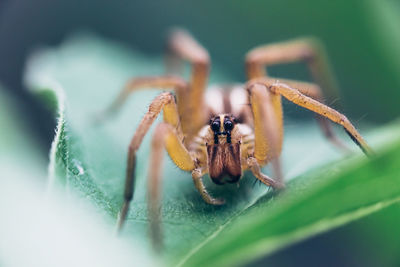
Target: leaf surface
point(85, 74)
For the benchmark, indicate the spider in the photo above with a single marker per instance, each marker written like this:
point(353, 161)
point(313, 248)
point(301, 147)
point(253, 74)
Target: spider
point(220, 132)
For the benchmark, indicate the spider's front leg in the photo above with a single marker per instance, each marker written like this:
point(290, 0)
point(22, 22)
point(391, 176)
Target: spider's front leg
point(167, 135)
point(295, 96)
point(165, 102)
point(177, 84)
point(303, 50)
point(314, 91)
point(307, 50)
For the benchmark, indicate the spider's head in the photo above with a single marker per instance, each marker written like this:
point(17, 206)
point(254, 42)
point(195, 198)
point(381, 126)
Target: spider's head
point(224, 155)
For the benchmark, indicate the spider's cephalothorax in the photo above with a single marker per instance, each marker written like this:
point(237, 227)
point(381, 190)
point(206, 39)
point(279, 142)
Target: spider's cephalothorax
point(223, 155)
point(225, 147)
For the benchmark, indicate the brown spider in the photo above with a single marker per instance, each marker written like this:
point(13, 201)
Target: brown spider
point(245, 131)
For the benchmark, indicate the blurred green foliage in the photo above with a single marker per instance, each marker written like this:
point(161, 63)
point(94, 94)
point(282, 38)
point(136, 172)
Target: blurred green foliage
point(361, 38)
point(370, 241)
point(17, 144)
point(362, 41)
point(312, 205)
point(83, 76)
point(43, 228)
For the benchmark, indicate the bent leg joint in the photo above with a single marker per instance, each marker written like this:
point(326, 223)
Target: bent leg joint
point(197, 179)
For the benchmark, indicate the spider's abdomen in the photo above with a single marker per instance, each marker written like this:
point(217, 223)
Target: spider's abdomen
point(224, 163)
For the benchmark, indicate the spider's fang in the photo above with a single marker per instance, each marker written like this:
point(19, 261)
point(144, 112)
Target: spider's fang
point(228, 137)
point(216, 138)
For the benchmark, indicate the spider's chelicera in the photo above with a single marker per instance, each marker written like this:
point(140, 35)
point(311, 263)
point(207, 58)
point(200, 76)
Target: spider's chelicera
point(245, 131)
point(223, 154)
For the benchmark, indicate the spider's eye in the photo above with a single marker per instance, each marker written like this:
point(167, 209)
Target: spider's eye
point(215, 126)
point(228, 125)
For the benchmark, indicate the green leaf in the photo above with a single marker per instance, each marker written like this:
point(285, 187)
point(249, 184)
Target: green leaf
point(361, 188)
point(86, 73)
point(39, 229)
point(16, 141)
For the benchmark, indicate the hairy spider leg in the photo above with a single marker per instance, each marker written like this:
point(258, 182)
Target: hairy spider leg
point(296, 97)
point(255, 168)
point(308, 51)
point(182, 45)
point(197, 176)
point(167, 135)
point(267, 135)
point(314, 91)
point(177, 84)
point(165, 102)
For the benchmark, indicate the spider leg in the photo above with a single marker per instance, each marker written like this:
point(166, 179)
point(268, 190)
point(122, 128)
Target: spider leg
point(165, 102)
point(184, 46)
point(302, 100)
point(161, 82)
point(309, 51)
point(197, 175)
point(268, 130)
point(165, 136)
point(256, 170)
point(314, 91)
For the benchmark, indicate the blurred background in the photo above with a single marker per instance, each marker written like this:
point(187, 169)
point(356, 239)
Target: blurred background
point(362, 41)
point(361, 38)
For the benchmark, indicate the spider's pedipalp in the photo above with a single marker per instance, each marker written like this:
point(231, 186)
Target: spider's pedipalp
point(197, 175)
point(256, 170)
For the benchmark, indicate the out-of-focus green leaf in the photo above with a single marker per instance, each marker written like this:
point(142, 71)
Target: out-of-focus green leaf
point(369, 241)
point(39, 229)
point(16, 141)
point(359, 189)
point(85, 74)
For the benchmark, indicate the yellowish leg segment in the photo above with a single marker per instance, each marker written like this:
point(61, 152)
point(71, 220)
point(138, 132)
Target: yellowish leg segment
point(165, 136)
point(314, 91)
point(256, 170)
point(197, 175)
point(268, 132)
point(165, 102)
point(183, 45)
point(308, 51)
point(157, 82)
point(268, 140)
point(302, 100)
